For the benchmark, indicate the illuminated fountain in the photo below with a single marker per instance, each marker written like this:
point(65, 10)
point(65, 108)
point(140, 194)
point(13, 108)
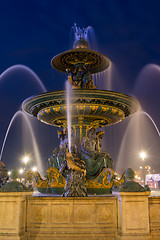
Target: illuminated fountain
point(90, 109)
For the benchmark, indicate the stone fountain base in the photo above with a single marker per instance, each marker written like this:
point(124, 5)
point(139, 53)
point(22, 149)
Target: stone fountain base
point(13, 215)
point(72, 218)
point(131, 216)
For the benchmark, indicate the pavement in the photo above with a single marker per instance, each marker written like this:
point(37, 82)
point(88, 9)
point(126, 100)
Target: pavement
point(155, 193)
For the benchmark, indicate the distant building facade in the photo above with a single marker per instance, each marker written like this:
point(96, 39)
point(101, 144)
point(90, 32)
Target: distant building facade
point(153, 180)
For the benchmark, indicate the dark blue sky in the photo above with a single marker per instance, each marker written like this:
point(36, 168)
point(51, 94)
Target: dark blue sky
point(32, 32)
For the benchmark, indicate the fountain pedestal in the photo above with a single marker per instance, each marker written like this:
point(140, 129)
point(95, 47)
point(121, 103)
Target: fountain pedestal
point(133, 215)
point(13, 215)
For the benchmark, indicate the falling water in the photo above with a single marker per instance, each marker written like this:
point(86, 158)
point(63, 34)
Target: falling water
point(142, 131)
point(36, 150)
point(91, 38)
point(149, 74)
point(68, 94)
point(138, 135)
point(17, 68)
point(109, 79)
point(20, 75)
point(152, 122)
point(102, 80)
point(146, 89)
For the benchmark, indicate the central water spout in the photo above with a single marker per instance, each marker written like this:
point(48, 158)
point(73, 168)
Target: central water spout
point(68, 94)
point(80, 37)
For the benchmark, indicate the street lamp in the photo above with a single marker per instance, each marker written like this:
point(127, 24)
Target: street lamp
point(34, 169)
point(21, 171)
point(143, 156)
point(25, 160)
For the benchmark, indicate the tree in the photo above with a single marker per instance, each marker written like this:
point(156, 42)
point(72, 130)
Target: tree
point(14, 174)
point(29, 176)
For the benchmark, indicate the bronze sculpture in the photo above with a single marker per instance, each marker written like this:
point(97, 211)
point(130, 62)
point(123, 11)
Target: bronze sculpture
point(75, 181)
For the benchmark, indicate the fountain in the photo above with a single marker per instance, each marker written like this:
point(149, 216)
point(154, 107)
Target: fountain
point(79, 167)
point(90, 110)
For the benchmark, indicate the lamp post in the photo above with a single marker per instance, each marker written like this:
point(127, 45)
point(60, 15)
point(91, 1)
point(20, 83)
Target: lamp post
point(9, 174)
point(34, 169)
point(143, 155)
point(25, 160)
point(21, 171)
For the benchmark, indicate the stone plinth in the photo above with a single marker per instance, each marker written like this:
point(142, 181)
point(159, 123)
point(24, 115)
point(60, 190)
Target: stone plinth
point(13, 215)
point(71, 218)
point(133, 216)
point(154, 217)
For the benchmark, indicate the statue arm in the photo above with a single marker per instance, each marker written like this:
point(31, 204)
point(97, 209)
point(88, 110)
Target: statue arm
point(80, 164)
point(63, 167)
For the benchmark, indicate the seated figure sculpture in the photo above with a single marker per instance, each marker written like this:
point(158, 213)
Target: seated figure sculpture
point(95, 159)
point(59, 153)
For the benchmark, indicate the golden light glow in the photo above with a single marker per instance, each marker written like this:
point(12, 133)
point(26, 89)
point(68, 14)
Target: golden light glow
point(21, 171)
point(143, 155)
point(26, 159)
point(34, 169)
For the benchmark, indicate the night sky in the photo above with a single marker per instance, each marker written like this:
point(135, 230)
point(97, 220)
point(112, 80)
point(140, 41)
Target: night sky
point(32, 32)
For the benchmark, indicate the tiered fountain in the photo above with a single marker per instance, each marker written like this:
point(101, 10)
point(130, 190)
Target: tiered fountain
point(80, 164)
